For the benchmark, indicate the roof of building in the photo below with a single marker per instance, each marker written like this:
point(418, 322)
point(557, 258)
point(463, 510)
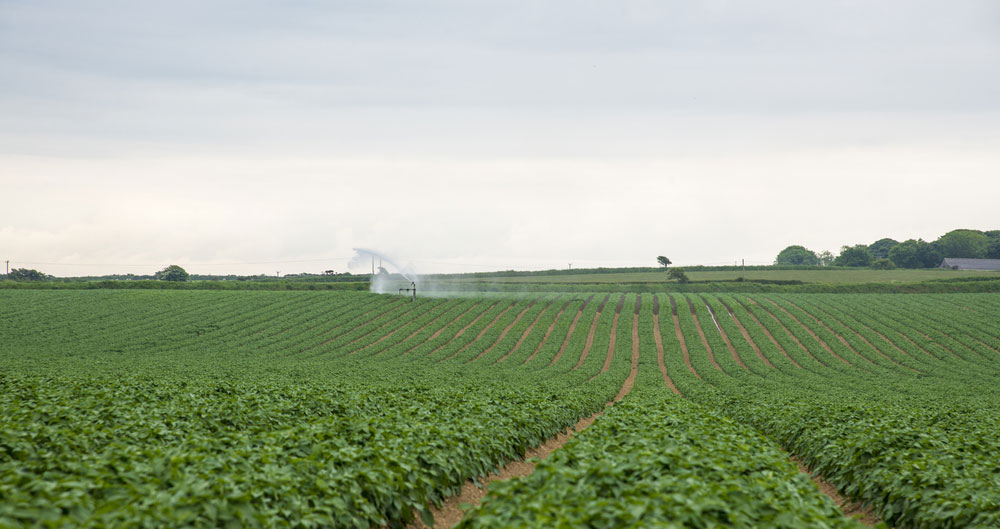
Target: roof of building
point(971, 264)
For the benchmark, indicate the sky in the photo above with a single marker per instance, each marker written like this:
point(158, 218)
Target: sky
point(274, 137)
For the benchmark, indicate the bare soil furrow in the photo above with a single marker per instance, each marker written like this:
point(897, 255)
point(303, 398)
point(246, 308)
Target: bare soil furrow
point(810, 332)
point(481, 333)
point(393, 321)
point(526, 333)
point(441, 330)
point(823, 324)
point(418, 330)
point(461, 331)
point(590, 334)
point(503, 333)
point(547, 333)
point(788, 332)
point(658, 338)
point(746, 335)
point(701, 333)
point(472, 493)
point(863, 339)
point(680, 337)
point(612, 341)
point(569, 333)
point(849, 508)
point(725, 337)
point(769, 337)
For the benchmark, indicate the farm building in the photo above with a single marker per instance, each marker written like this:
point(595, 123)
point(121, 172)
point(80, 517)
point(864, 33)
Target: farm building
point(971, 264)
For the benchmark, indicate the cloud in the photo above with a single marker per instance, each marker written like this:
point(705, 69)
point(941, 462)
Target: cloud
point(488, 134)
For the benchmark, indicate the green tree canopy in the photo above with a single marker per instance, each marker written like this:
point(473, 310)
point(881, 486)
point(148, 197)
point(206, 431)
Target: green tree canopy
point(915, 253)
point(796, 255)
point(880, 248)
point(856, 255)
point(663, 260)
point(172, 273)
point(678, 274)
point(993, 249)
point(883, 264)
point(963, 243)
point(825, 258)
point(26, 274)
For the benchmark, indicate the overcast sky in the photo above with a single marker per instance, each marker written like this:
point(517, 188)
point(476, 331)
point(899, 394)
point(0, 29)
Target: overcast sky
point(257, 137)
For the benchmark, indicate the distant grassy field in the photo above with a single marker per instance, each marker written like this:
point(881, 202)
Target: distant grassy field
point(833, 275)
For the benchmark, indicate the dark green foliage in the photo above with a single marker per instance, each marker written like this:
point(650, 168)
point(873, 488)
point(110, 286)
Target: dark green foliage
point(26, 274)
point(993, 249)
point(678, 275)
point(915, 254)
point(883, 264)
point(963, 243)
point(880, 248)
point(796, 255)
point(172, 273)
point(854, 256)
point(663, 260)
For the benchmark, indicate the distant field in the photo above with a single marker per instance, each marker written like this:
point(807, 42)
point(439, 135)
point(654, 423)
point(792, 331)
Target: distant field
point(807, 276)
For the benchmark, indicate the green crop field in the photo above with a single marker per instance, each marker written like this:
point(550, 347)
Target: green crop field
point(188, 408)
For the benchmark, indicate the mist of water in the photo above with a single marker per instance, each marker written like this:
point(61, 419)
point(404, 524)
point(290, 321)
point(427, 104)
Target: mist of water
point(396, 277)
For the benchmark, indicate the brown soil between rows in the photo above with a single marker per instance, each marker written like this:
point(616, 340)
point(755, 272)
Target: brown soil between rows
point(823, 324)
point(746, 335)
point(472, 494)
point(612, 341)
point(701, 333)
point(850, 509)
point(441, 330)
point(788, 332)
point(393, 320)
point(503, 333)
point(525, 334)
point(725, 337)
point(810, 332)
point(659, 354)
point(462, 330)
point(680, 337)
point(345, 324)
point(863, 339)
point(590, 335)
point(418, 330)
point(481, 333)
point(548, 333)
point(769, 337)
point(569, 333)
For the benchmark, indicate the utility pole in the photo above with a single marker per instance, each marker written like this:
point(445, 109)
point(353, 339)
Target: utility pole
point(744, 269)
point(8, 267)
point(571, 266)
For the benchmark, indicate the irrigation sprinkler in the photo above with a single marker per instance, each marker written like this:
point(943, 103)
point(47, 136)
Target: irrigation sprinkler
point(413, 288)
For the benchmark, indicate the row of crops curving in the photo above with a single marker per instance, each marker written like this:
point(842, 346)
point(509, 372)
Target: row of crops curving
point(349, 409)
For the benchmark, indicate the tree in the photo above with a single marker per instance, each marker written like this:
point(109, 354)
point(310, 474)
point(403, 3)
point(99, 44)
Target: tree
point(825, 258)
point(26, 274)
point(678, 274)
point(993, 249)
point(796, 255)
point(880, 248)
point(172, 273)
point(963, 243)
point(883, 264)
point(915, 254)
point(664, 262)
point(856, 255)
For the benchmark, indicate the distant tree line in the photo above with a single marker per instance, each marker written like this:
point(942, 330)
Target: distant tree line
point(912, 253)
